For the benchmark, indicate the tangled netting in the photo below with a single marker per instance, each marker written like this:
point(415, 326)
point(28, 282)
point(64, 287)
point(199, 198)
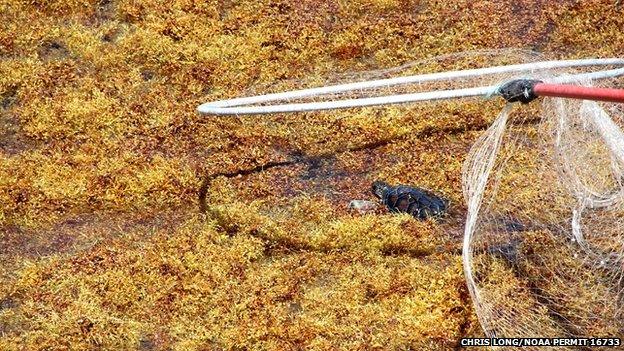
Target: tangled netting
point(544, 188)
point(545, 257)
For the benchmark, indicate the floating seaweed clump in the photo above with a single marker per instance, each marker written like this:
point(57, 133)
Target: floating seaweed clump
point(102, 241)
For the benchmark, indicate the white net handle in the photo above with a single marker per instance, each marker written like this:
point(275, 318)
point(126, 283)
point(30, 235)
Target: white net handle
point(254, 104)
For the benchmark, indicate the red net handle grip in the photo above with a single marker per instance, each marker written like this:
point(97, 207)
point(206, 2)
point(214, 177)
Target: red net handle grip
point(579, 92)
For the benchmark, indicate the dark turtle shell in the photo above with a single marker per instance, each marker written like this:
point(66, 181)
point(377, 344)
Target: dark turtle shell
point(418, 202)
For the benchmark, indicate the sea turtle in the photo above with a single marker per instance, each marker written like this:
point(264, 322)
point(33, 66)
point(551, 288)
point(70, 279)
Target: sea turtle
point(418, 202)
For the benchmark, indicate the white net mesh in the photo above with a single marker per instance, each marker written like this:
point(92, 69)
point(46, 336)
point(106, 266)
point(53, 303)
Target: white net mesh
point(544, 226)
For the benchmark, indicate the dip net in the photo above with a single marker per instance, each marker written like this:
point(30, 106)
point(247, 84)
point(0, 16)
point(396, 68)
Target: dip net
point(543, 246)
